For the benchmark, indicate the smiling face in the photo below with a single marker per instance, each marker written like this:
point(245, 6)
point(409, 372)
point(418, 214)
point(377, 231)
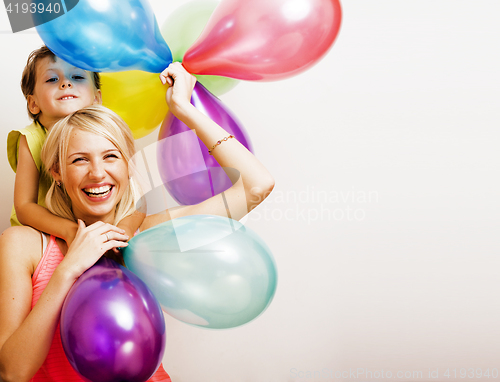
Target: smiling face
point(95, 176)
point(60, 89)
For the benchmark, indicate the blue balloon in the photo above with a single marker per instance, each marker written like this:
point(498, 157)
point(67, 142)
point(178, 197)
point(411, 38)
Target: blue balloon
point(207, 271)
point(107, 35)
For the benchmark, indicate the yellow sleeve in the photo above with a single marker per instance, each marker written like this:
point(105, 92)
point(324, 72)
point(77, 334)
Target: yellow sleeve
point(35, 137)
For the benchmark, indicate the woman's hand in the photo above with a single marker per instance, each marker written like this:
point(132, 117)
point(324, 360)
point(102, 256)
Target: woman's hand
point(90, 244)
point(181, 85)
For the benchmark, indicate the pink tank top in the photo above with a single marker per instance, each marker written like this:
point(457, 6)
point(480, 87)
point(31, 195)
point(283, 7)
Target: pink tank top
point(56, 366)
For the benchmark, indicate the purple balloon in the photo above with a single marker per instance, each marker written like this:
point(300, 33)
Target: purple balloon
point(189, 173)
point(112, 327)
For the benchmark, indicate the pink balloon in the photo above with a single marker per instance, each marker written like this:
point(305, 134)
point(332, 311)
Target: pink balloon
point(264, 40)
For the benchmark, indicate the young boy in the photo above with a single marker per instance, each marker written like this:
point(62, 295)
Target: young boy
point(53, 89)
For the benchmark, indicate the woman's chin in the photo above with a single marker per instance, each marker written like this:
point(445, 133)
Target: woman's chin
point(99, 208)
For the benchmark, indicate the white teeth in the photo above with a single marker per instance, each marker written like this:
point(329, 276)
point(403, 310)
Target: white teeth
point(65, 98)
point(98, 191)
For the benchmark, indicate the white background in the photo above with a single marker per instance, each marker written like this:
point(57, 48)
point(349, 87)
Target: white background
point(398, 123)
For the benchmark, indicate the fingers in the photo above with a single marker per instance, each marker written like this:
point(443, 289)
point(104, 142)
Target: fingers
point(109, 245)
point(173, 72)
point(108, 234)
point(81, 224)
point(99, 228)
point(169, 74)
point(114, 236)
point(166, 79)
point(90, 243)
point(178, 94)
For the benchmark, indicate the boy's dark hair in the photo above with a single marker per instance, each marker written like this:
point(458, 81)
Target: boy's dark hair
point(28, 79)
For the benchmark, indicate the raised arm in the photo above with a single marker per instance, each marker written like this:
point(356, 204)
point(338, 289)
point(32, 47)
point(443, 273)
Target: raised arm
point(28, 211)
point(254, 182)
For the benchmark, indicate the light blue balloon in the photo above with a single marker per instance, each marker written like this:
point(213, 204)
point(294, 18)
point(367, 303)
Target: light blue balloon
point(107, 35)
point(205, 270)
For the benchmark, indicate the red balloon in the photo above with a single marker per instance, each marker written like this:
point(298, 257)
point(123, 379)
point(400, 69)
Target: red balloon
point(264, 40)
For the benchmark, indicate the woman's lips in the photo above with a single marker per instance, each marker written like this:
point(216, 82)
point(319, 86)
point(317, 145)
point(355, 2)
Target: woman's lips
point(98, 192)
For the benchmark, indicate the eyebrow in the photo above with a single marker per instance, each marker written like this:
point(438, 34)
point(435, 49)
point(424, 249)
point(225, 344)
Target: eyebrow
point(86, 153)
point(72, 69)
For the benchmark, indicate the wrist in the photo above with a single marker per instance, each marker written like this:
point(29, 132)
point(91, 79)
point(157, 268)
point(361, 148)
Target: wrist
point(64, 276)
point(184, 111)
point(69, 232)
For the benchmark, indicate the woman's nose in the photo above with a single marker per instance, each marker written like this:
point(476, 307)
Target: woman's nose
point(97, 171)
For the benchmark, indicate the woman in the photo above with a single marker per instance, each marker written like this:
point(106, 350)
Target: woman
point(91, 185)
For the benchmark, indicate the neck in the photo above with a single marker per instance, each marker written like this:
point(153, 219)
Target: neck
point(46, 123)
point(89, 220)
point(40, 124)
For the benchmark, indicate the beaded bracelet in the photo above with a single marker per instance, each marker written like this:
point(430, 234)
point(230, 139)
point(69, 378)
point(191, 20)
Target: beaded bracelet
point(219, 142)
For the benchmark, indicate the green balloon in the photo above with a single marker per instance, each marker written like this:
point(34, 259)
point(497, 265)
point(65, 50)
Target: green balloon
point(205, 270)
point(180, 31)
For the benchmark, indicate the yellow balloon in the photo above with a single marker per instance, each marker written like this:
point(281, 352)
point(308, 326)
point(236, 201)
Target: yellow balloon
point(136, 96)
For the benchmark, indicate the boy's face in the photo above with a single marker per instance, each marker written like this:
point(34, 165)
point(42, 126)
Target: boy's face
point(61, 89)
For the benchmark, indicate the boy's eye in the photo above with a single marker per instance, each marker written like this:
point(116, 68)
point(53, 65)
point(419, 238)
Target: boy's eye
point(78, 77)
point(53, 79)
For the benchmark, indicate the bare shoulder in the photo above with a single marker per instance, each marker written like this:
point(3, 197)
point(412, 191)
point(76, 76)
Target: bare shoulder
point(20, 246)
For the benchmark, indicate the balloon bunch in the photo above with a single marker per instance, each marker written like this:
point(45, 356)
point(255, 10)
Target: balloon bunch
point(258, 40)
point(230, 280)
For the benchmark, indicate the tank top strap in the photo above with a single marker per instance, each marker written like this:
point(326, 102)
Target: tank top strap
point(51, 258)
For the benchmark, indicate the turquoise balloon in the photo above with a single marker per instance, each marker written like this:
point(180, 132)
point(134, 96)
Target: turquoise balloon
point(207, 271)
point(107, 35)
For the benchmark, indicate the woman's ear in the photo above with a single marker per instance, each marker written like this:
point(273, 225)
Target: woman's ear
point(54, 171)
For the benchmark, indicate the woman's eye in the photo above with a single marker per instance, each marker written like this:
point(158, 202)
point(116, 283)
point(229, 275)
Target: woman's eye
point(111, 156)
point(77, 160)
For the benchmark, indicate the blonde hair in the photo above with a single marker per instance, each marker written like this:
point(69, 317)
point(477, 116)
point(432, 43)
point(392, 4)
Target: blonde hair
point(95, 119)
